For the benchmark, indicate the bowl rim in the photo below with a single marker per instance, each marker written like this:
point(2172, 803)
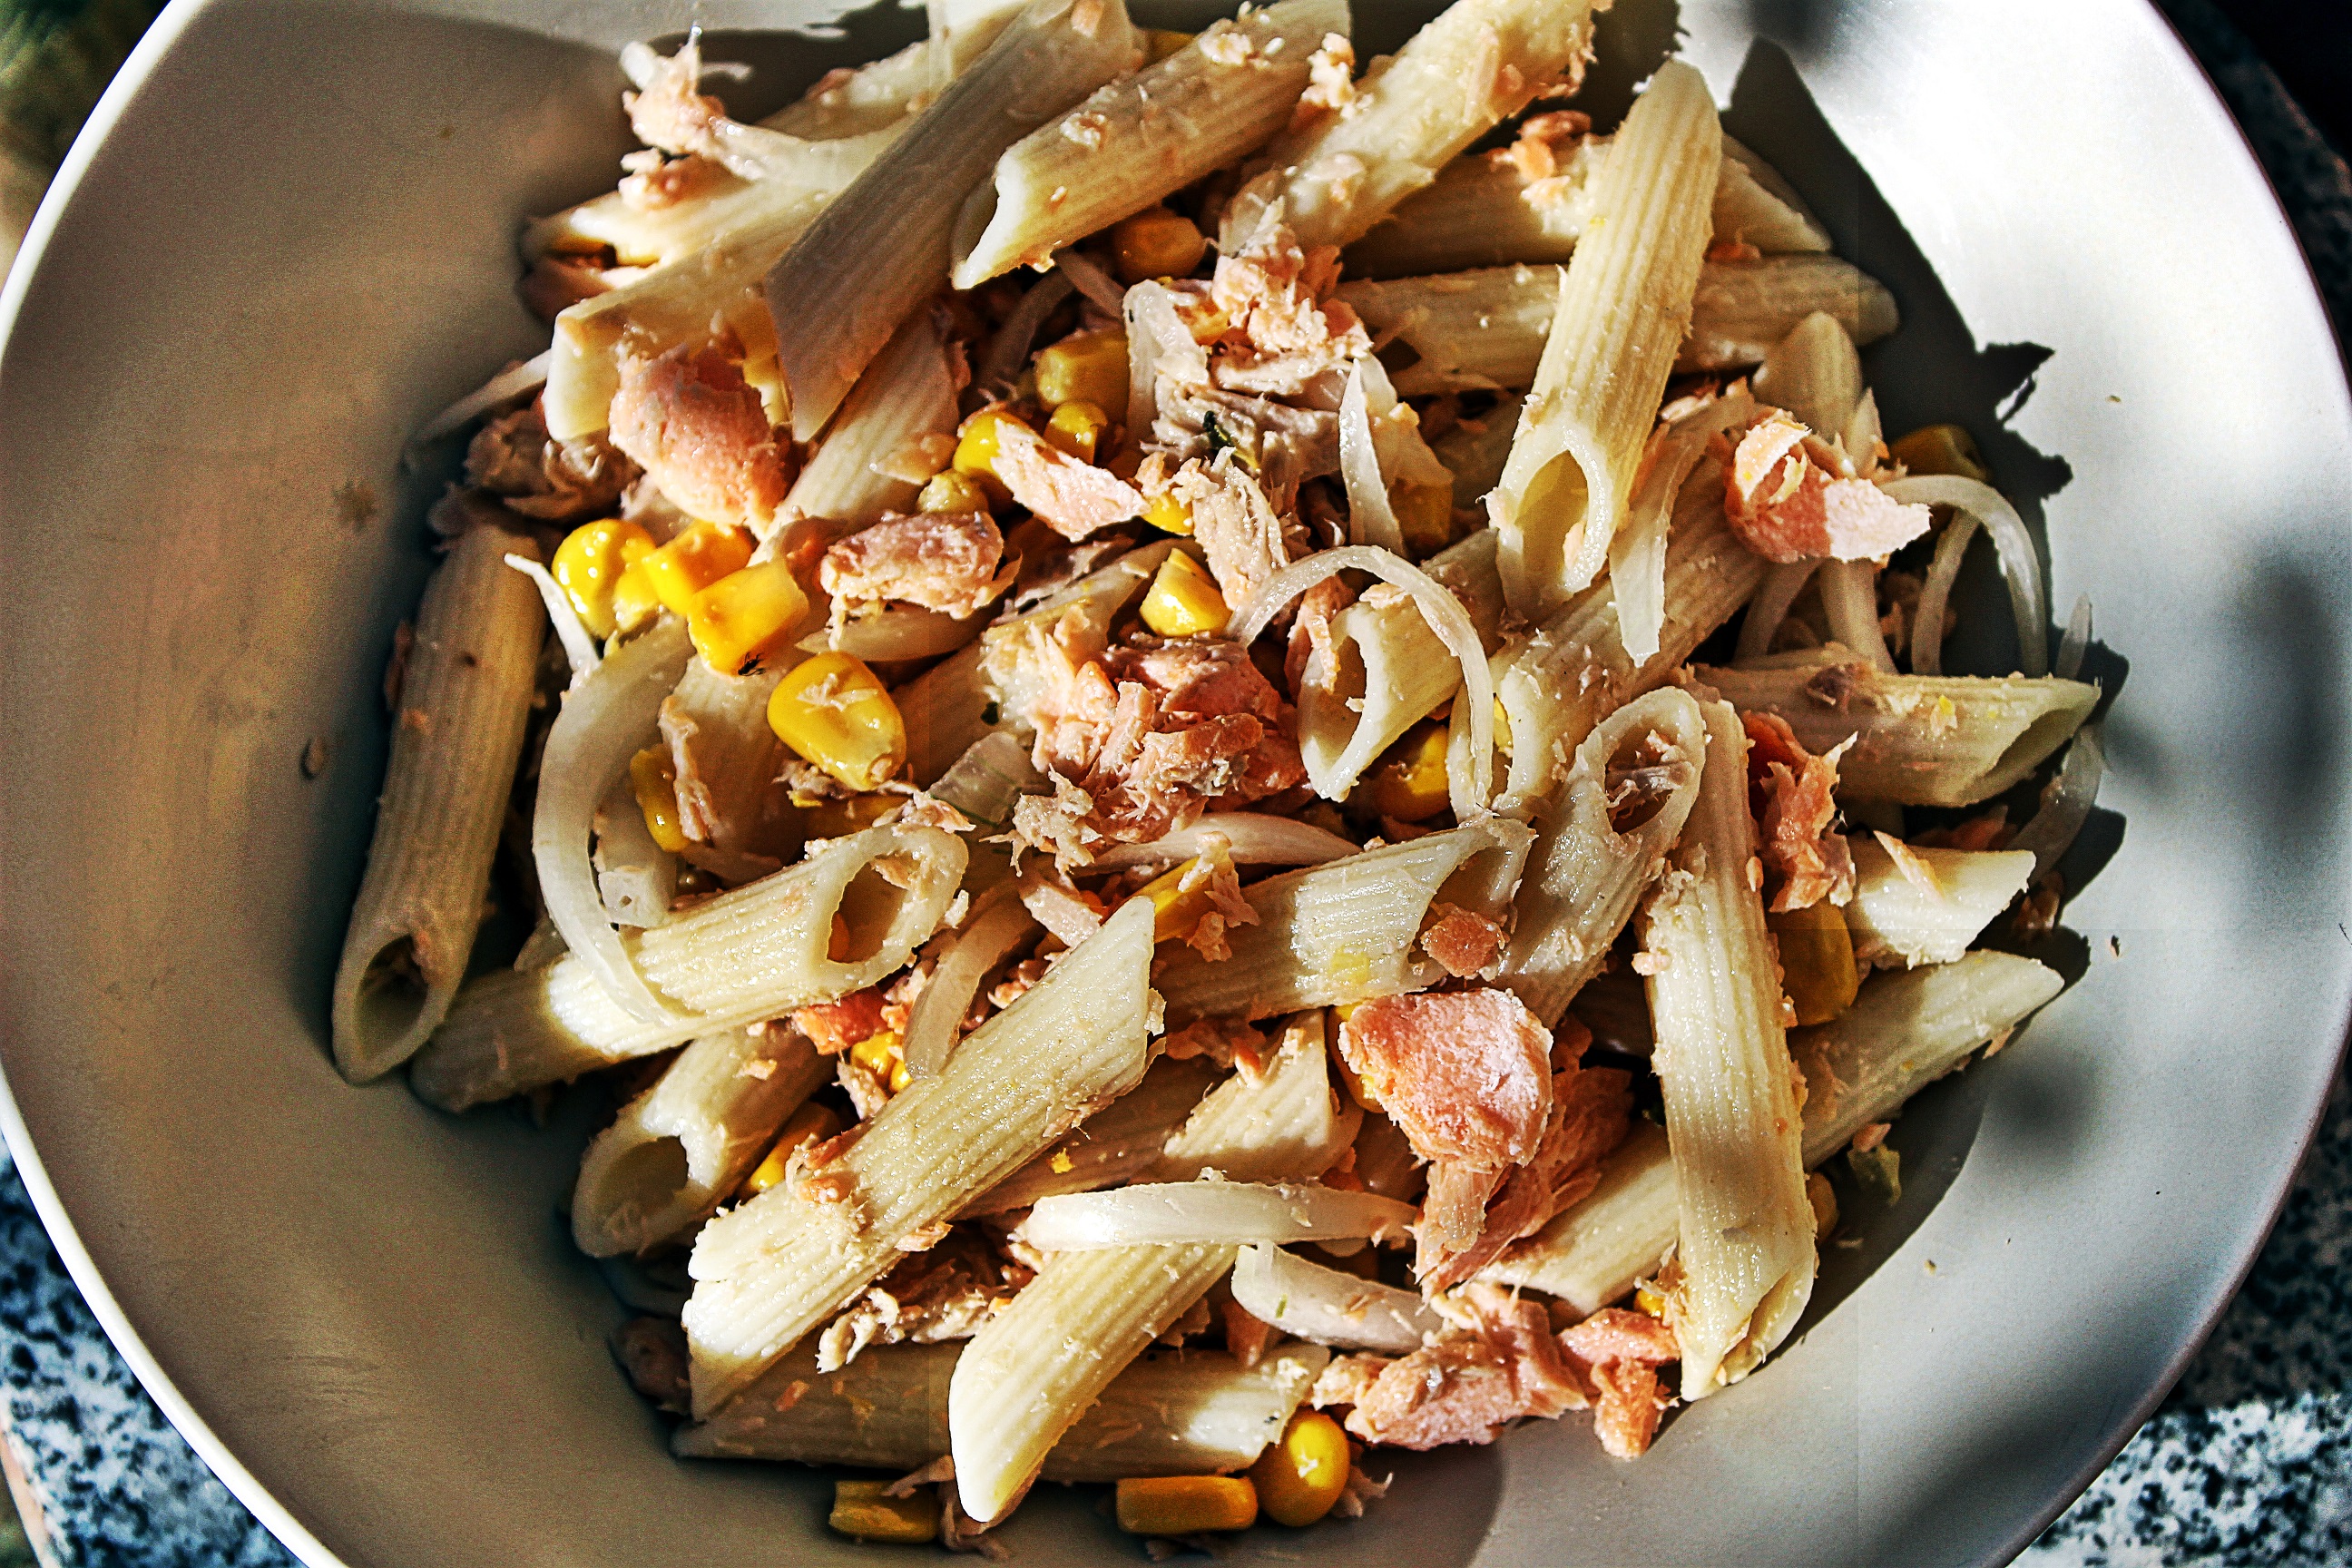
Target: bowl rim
point(162, 36)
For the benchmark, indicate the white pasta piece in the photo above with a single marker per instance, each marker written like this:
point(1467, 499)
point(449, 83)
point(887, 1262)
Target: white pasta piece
point(1746, 1248)
point(1143, 137)
point(1754, 205)
point(768, 1272)
point(1815, 375)
point(1284, 1123)
point(1385, 673)
point(1593, 1252)
point(1328, 1306)
point(1624, 306)
point(867, 263)
point(1252, 838)
point(1918, 740)
point(1928, 911)
point(677, 1150)
point(1478, 63)
point(1743, 308)
point(756, 952)
point(907, 393)
point(1182, 1212)
point(1117, 1144)
point(454, 743)
point(1585, 874)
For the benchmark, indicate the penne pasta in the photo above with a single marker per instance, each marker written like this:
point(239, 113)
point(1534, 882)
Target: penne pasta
point(1927, 904)
point(1117, 1144)
point(907, 395)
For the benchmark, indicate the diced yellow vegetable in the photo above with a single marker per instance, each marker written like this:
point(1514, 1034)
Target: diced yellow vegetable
point(1179, 911)
point(1183, 601)
point(949, 490)
point(1942, 449)
point(1648, 1298)
point(1156, 243)
point(811, 1123)
point(1186, 1505)
point(1409, 781)
point(1085, 367)
point(589, 566)
point(1169, 515)
point(976, 449)
point(695, 560)
point(1302, 1473)
point(1816, 961)
point(1823, 1197)
point(877, 1052)
point(862, 1512)
point(737, 622)
point(1160, 43)
point(634, 603)
point(832, 710)
point(1077, 428)
point(653, 779)
point(1426, 515)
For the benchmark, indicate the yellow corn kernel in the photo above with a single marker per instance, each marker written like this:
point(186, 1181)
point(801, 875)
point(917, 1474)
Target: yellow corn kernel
point(1156, 243)
point(1160, 43)
point(1085, 367)
point(1426, 515)
point(976, 449)
point(949, 490)
point(653, 779)
point(1186, 1505)
point(1823, 1197)
point(1179, 911)
point(1077, 428)
point(840, 818)
point(737, 621)
point(862, 1512)
point(832, 710)
point(1358, 1089)
point(589, 566)
point(1169, 515)
point(1816, 961)
point(1183, 600)
point(811, 1123)
point(695, 560)
point(1302, 1473)
point(875, 1052)
point(1942, 449)
point(1409, 781)
point(1648, 1298)
point(634, 603)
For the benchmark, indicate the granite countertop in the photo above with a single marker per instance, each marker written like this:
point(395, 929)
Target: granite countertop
point(2248, 1461)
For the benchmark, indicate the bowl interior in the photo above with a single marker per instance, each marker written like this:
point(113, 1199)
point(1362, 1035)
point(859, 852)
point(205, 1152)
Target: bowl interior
point(295, 242)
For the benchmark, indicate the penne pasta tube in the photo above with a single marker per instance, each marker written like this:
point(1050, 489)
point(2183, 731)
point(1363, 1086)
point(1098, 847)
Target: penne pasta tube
point(677, 1150)
point(1477, 63)
point(1117, 1144)
point(1485, 329)
point(1252, 838)
point(907, 393)
point(1925, 905)
point(1746, 1250)
point(756, 952)
point(1182, 1213)
point(1385, 671)
point(1187, 1413)
point(1918, 740)
point(768, 1272)
point(1335, 933)
point(946, 711)
point(456, 740)
point(1143, 137)
point(1586, 872)
point(1624, 306)
point(1284, 1122)
point(863, 267)
point(1328, 1306)
point(1593, 1251)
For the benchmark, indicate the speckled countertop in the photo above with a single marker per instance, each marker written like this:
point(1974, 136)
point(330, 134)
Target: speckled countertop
point(2249, 1461)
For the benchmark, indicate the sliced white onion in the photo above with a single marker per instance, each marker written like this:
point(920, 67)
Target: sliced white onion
point(646, 1288)
point(2066, 804)
point(1008, 350)
point(1472, 786)
point(1637, 554)
point(1769, 607)
point(1405, 455)
point(606, 719)
point(1156, 333)
point(1371, 520)
point(578, 646)
point(1329, 1306)
point(1936, 593)
point(2076, 642)
point(991, 774)
point(1090, 280)
point(1850, 599)
point(999, 926)
point(508, 385)
point(1167, 1214)
point(1253, 838)
point(2018, 562)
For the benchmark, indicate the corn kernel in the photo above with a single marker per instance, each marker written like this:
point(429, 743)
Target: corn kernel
point(1159, 43)
point(589, 566)
point(1942, 449)
point(949, 490)
point(835, 713)
point(1409, 781)
point(1156, 243)
point(1077, 428)
point(1085, 367)
point(1302, 1473)
point(1178, 910)
point(1823, 1197)
point(1425, 514)
point(1169, 515)
point(1816, 961)
point(1186, 1505)
point(695, 560)
point(653, 779)
point(1648, 1298)
point(862, 1512)
point(976, 449)
point(1183, 600)
point(737, 621)
point(634, 603)
point(811, 1123)
point(875, 1053)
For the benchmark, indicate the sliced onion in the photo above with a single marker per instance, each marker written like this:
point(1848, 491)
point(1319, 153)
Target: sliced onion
point(1252, 838)
point(1927, 615)
point(578, 646)
point(991, 774)
point(1008, 350)
point(660, 1288)
point(1637, 554)
point(1328, 1306)
point(1371, 520)
point(1850, 598)
point(1090, 280)
point(1169, 1214)
point(1769, 607)
point(2066, 803)
point(508, 385)
point(896, 632)
point(2020, 564)
point(1473, 786)
point(1156, 333)
point(606, 719)
point(999, 926)
point(2076, 642)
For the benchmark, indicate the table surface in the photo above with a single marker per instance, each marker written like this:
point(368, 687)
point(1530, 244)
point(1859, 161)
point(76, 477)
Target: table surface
point(2249, 1461)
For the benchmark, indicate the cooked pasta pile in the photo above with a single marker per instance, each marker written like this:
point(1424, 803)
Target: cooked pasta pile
point(1222, 780)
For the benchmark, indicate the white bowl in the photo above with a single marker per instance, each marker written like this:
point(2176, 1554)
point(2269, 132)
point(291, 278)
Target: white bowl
point(287, 238)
